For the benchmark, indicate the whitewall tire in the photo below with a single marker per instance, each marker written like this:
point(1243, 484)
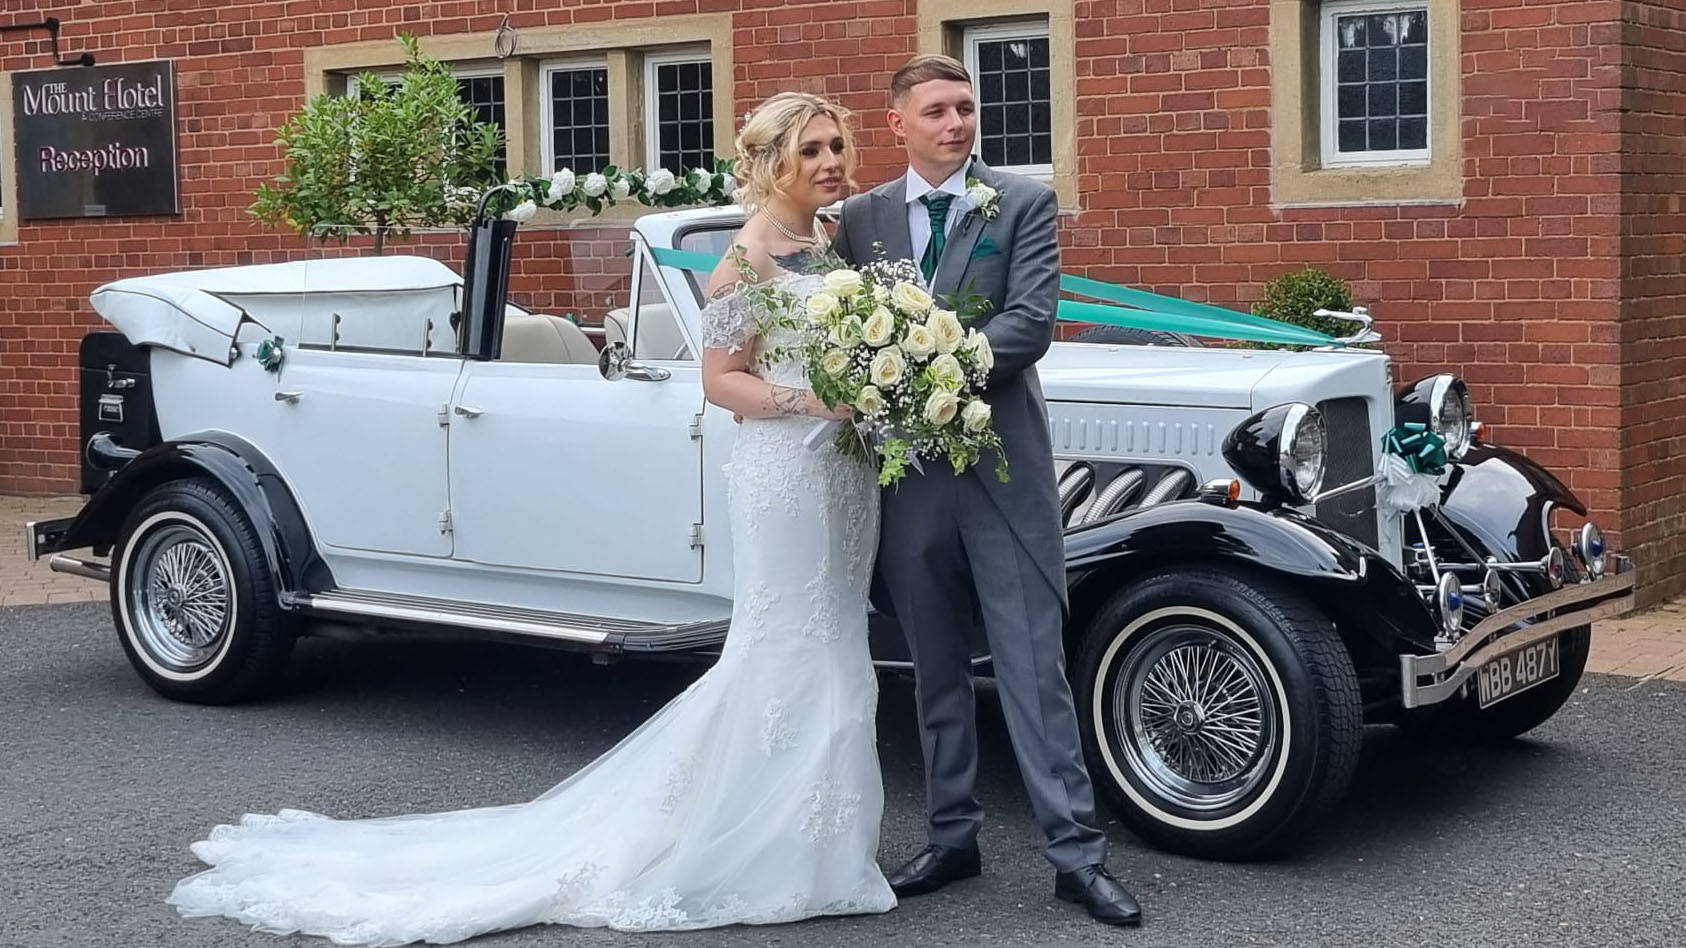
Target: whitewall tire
point(194, 599)
point(1221, 714)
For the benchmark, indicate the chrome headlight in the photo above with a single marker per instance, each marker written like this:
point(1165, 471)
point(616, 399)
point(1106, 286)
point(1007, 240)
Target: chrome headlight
point(1449, 602)
point(1442, 402)
point(1280, 452)
point(1589, 548)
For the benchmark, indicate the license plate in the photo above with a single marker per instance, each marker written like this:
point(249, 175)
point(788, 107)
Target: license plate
point(1516, 671)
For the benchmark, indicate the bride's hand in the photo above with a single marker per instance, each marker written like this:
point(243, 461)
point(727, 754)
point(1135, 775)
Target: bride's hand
point(840, 413)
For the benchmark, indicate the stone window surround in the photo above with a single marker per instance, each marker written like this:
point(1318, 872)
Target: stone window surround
point(8, 174)
point(942, 30)
point(1297, 177)
point(620, 44)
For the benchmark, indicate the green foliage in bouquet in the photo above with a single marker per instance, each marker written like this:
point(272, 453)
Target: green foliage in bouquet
point(394, 158)
point(1296, 296)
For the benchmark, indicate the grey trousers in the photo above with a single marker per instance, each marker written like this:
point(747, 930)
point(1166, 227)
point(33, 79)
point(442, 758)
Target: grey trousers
point(944, 547)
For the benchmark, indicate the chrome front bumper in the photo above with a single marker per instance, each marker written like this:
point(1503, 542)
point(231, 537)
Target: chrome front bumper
point(1431, 679)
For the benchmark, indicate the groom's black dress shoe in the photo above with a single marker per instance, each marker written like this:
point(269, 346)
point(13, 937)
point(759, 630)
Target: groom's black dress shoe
point(1096, 890)
point(934, 868)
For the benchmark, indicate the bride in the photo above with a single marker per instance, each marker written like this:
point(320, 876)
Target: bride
point(754, 796)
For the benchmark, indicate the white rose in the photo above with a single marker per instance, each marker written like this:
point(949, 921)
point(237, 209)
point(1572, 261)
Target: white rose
point(619, 189)
point(843, 282)
point(910, 297)
point(821, 306)
point(704, 178)
point(945, 325)
point(978, 345)
point(595, 184)
point(941, 407)
point(981, 194)
point(835, 362)
point(887, 367)
point(880, 327)
point(661, 181)
point(561, 184)
point(870, 401)
point(947, 372)
point(919, 342)
point(728, 186)
point(848, 331)
point(976, 415)
point(522, 213)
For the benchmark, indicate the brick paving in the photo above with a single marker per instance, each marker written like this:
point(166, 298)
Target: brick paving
point(1649, 644)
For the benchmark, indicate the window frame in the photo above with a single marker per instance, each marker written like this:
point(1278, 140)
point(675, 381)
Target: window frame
point(547, 118)
point(1328, 86)
point(652, 103)
point(971, 35)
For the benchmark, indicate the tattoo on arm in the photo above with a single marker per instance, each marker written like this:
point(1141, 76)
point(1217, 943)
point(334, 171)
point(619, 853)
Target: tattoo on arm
point(785, 401)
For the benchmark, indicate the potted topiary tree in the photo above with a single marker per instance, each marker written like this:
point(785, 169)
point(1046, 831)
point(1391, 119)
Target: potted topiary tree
point(394, 158)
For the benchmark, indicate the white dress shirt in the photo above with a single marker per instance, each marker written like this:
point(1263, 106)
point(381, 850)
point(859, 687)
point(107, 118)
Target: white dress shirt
point(919, 219)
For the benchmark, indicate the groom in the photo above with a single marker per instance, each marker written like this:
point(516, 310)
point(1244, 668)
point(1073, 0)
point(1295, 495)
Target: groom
point(951, 543)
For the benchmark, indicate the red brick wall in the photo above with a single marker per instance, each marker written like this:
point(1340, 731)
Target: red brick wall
point(1653, 392)
point(1519, 288)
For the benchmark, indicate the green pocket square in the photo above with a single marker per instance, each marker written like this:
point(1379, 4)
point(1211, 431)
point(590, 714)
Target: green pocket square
point(985, 248)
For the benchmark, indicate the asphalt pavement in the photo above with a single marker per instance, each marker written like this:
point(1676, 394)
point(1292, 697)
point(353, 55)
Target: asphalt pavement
point(1574, 837)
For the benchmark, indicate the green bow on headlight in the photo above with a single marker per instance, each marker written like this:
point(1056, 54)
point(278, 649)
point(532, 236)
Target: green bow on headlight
point(1421, 448)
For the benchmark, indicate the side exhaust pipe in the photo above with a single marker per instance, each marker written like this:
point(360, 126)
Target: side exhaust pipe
point(76, 566)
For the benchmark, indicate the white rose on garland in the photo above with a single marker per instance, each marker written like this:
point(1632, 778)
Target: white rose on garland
point(595, 185)
point(522, 213)
point(561, 185)
point(620, 189)
point(661, 182)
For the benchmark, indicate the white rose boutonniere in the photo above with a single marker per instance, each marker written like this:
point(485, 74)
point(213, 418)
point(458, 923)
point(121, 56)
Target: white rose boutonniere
point(986, 201)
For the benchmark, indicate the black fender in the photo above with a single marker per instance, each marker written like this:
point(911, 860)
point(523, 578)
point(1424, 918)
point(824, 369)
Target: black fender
point(1376, 607)
point(250, 479)
point(1503, 501)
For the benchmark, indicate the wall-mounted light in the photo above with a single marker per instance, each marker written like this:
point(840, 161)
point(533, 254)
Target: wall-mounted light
point(51, 25)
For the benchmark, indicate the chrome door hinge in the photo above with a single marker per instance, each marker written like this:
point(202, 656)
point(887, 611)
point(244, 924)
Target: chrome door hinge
point(696, 536)
point(696, 426)
point(444, 415)
point(445, 520)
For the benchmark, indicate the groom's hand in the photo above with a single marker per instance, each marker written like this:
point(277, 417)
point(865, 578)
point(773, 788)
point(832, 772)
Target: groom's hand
point(1023, 330)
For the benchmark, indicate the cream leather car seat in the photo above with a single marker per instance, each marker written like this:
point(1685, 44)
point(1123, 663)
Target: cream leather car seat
point(541, 337)
point(659, 338)
point(614, 326)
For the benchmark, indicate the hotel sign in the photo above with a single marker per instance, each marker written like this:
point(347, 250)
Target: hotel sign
point(96, 141)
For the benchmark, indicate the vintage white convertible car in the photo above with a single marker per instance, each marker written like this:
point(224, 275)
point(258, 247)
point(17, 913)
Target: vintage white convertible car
point(418, 455)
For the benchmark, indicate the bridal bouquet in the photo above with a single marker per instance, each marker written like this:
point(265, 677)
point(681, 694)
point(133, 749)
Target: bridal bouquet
point(874, 340)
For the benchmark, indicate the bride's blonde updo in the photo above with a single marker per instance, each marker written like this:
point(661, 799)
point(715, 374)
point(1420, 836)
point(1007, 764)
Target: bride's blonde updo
point(768, 149)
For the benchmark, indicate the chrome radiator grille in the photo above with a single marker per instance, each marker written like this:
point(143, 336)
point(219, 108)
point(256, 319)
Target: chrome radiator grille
point(1349, 452)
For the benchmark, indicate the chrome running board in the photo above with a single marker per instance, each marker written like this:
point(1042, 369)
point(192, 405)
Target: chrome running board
point(596, 633)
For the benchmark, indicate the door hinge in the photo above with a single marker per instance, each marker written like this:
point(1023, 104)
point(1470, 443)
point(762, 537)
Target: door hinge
point(444, 415)
point(445, 520)
point(696, 536)
point(696, 426)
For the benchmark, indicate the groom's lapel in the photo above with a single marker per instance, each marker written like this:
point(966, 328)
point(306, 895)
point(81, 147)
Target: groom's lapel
point(889, 220)
point(957, 252)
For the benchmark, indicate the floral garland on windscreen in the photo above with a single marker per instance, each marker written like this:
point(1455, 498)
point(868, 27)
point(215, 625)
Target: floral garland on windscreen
point(521, 197)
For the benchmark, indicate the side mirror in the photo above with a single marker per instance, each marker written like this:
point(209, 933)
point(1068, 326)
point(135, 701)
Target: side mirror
point(616, 363)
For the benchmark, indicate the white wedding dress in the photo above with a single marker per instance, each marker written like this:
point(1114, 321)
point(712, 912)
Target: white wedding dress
point(753, 797)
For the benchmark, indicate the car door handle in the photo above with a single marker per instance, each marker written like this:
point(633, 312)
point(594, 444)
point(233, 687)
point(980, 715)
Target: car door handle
point(468, 412)
point(288, 397)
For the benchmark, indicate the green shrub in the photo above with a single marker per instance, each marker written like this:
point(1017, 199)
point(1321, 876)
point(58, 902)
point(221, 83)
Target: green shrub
point(1295, 296)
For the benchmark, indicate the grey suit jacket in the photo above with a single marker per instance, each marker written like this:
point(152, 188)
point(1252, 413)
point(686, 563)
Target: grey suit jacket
point(1014, 262)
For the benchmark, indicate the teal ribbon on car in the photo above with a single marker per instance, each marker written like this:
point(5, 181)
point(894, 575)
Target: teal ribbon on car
point(1121, 306)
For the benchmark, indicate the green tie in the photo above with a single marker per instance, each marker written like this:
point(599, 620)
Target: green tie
point(936, 203)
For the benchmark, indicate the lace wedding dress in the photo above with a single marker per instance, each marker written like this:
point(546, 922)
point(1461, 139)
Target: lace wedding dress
point(752, 797)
